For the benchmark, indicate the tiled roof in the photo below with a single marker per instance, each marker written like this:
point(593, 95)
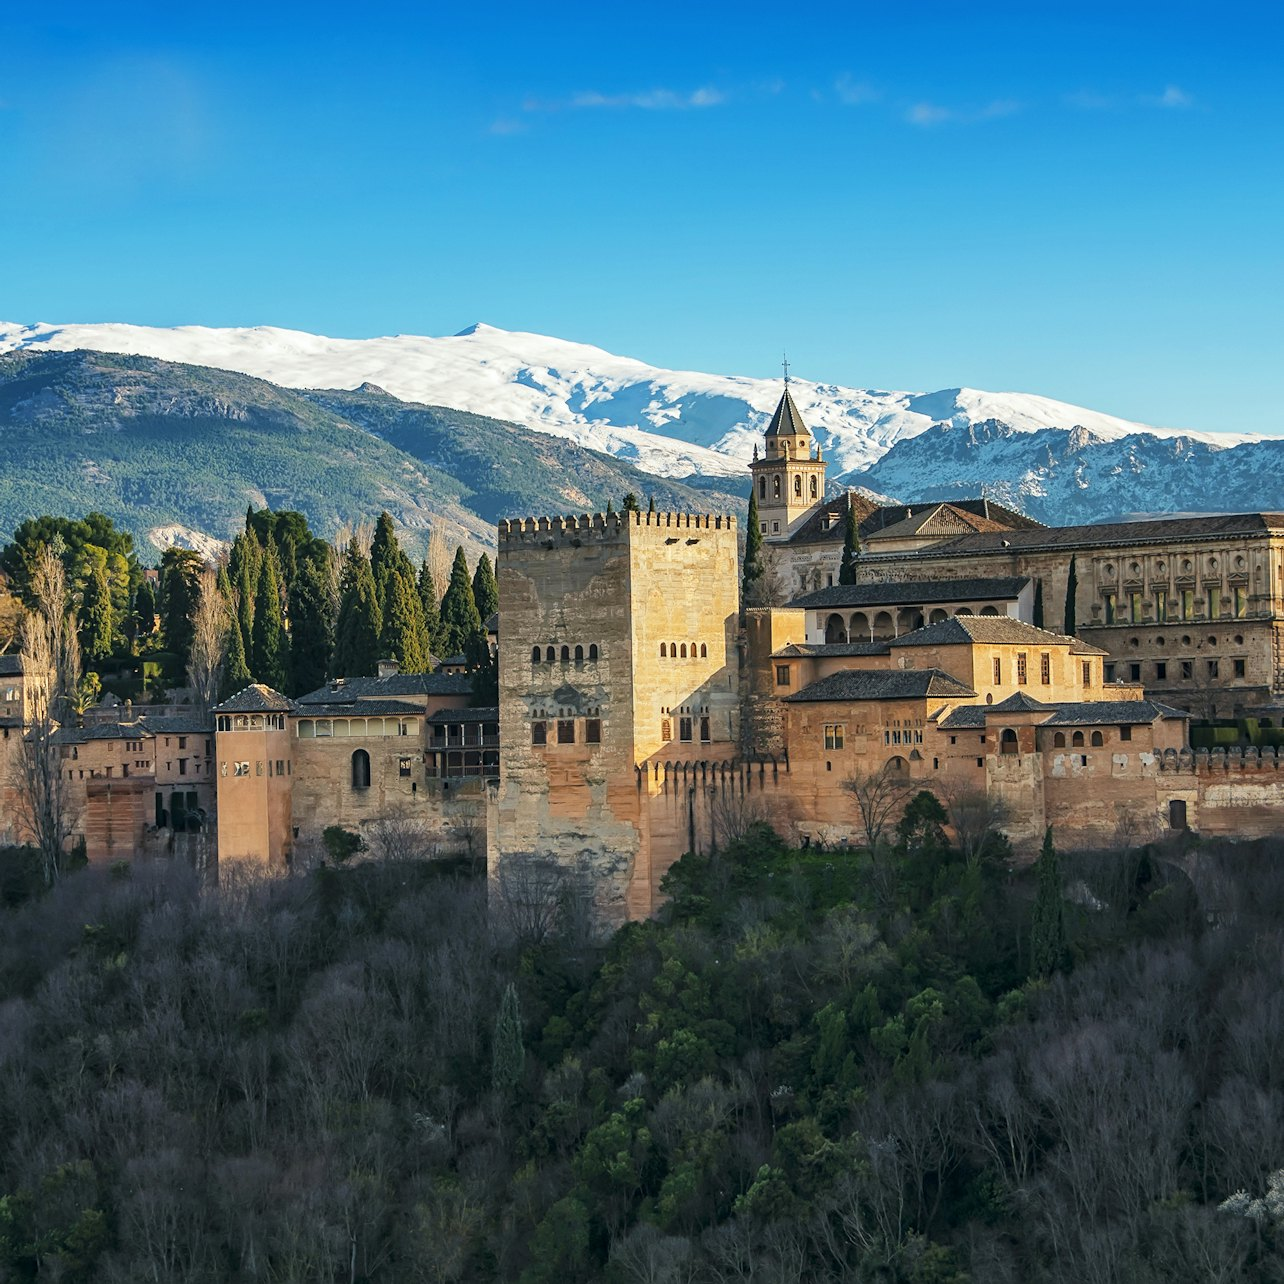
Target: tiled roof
point(491, 623)
point(1019, 702)
point(399, 684)
point(786, 422)
point(913, 592)
point(361, 709)
point(256, 699)
point(190, 724)
point(882, 684)
point(443, 716)
point(954, 519)
point(797, 650)
point(11, 666)
point(889, 515)
point(959, 630)
point(826, 524)
point(1083, 713)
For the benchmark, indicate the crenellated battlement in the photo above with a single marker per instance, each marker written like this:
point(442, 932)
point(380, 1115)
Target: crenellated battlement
point(576, 530)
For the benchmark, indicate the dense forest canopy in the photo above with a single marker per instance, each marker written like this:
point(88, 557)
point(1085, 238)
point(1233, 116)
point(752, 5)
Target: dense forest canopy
point(812, 1066)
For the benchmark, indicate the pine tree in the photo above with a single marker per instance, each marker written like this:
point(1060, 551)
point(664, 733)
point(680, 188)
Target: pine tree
point(96, 622)
point(752, 572)
point(1072, 591)
point(432, 609)
point(851, 545)
point(460, 621)
point(402, 637)
point(270, 656)
point(508, 1053)
point(485, 589)
point(357, 629)
point(236, 674)
point(631, 502)
point(1047, 927)
point(311, 628)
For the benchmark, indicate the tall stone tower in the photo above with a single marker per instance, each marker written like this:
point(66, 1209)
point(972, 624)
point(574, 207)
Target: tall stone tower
point(788, 480)
point(618, 674)
point(252, 746)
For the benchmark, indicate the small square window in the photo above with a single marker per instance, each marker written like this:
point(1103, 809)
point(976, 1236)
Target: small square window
point(404, 766)
point(782, 675)
point(684, 728)
point(539, 733)
point(242, 769)
point(565, 731)
point(1239, 668)
point(1125, 733)
point(592, 731)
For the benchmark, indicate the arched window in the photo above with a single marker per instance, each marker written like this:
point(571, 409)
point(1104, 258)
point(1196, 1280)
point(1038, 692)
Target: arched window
point(704, 651)
point(883, 627)
point(535, 654)
point(1058, 739)
point(1077, 739)
point(593, 650)
point(988, 610)
point(360, 769)
point(550, 655)
point(1098, 740)
point(673, 650)
point(762, 488)
point(897, 765)
point(664, 651)
point(684, 650)
point(858, 629)
point(693, 650)
point(798, 485)
point(566, 655)
point(835, 630)
point(813, 488)
point(579, 655)
point(1007, 741)
point(775, 487)
point(938, 615)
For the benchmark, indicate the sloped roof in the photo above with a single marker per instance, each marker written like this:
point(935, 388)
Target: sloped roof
point(362, 709)
point(959, 630)
point(799, 650)
point(956, 521)
point(824, 525)
point(1019, 702)
point(913, 592)
point(181, 724)
point(1082, 713)
point(882, 684)
point(444, 716)
point(256, 698)
point(11, 666)
point(397, 685)
point(787, 422)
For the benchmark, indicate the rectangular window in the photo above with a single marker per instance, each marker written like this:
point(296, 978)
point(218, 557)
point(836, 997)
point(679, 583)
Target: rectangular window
point(1187, 670)
point(1239, 668)
point(1188, 604)
point(834, 735)
point(1109, 672)
point(1087, 673)
point(1214, 601)
point(1213, 669)
point(404, 766)
point(241, 769)
point(1161, 604)
point(1241, 603)
point(1125, 733)
point(1134, 608)
point(998, 670)
point(539, 733)
point(592, 731)
point(704, 730)
point(782, 675)
point(1161, 670)
point(1021, 669)
point(182, 766)
point(280, 767)
point(1045, 669)
point(182, 742)
point(258, 767)
point(684, 728)
point(1134, 673)
point(566, 731)
point(666, 729)
point(1109, 599)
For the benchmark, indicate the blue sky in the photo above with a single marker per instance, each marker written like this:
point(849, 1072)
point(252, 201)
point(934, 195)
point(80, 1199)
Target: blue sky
point(1081, 200)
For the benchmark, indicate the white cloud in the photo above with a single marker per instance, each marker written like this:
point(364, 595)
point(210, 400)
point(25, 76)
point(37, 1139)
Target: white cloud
point(645, 100)
point(927, 115)
point(1172, 97)
point(855, 93)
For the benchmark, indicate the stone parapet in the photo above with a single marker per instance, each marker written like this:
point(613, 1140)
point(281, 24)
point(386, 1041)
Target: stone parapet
point(575, 530)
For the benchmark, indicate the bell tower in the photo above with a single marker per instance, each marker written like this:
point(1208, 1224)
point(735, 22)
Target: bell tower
point(787, 479)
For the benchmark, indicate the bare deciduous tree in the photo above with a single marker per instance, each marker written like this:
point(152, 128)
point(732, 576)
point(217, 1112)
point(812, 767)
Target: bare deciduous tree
point(210, 617)
point(528, 897)
point(975, 816)
point(879, 796)
point(397, 836)
point(440, 560)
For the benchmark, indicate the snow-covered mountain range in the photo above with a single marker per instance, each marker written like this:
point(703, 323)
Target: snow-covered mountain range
point(680, 423)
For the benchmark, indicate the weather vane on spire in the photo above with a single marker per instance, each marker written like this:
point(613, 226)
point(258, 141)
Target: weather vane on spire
point(784, 360)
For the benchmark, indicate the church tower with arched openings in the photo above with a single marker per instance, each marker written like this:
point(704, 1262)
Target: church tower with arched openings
point(788, 480)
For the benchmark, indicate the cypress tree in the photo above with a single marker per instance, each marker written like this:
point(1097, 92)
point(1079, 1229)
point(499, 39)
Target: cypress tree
point(1038, 604)
point(752, 572)
point(402, 637)
point(432, 611)
point(385, 554)
point(631, 502)
point(1047, 927)
point(357, 629)
point(507, 1054)
point(244, 566)
point(485, 589)
point(460, 622)
point(311, 628)
point(236, 674)
point(145, 610)
point(270, 657)
point(96, 622)
point(851, 545)
point(1072, 591)
point(179, 570)
point(650, 503)
point(610, 506)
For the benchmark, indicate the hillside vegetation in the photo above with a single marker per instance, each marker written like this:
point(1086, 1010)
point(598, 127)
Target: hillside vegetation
point(812, 1068)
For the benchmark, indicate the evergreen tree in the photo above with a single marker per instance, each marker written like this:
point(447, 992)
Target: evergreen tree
point(485, 589)
point(610, 506)
point(385, 555)
point(752, 572)
point(236, 674)
point(402, 637)
point(631, 502)
point(851, 545)
point(460, 622)
point(145, 610)
point(1038, 604)
point(432, 610)
point(180, 571)
point(270, 657)
point(357, 629)
point(1072, 591)
point(508, 1054)
point(1047, 927)
point(244, 566)
point(311, 628)
point(650, 503)
point(96, 622)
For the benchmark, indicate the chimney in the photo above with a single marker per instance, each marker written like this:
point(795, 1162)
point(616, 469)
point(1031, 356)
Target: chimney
point(388, 668)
